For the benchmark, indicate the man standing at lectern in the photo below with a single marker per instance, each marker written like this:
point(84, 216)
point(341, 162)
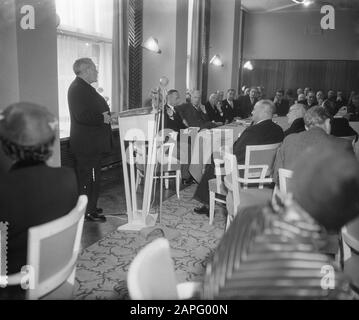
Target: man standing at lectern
point(90, 133)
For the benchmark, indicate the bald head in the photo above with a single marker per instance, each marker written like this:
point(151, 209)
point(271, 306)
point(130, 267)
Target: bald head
point(263, 110)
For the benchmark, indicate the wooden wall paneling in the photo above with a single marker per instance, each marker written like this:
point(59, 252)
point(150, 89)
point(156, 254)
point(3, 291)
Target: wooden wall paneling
point(291, 74)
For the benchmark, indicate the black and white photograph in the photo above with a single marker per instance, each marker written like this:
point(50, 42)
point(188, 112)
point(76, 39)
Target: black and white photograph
point(185, 152)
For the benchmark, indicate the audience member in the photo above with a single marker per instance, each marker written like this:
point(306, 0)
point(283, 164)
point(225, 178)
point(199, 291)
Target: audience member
point(173, 120)
point(299, 91)
point(212, 111)
point(230, 106)
point(281, 104)
point(268, 242)
point(306, 91)
point(247, 102)
point(194, 114)
point(340, 101)
point(320, 97)
point(32, 193)
point(353, 108)
point(289, 95)
point(295, 119)
point(263, 131)
point(302, 99)
point(317, 134)
point(311, 102)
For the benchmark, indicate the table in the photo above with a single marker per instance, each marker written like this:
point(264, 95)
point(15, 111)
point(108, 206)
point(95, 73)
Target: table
point(216, 141)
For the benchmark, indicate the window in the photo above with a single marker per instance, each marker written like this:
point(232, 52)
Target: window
point(85, 30)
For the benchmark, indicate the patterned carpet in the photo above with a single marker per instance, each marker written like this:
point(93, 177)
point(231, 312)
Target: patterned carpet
point(102, 267)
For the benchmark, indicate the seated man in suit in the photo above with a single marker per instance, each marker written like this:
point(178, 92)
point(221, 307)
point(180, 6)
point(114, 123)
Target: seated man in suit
point(263, 131)
point(267, 250)
point(320, 97)
point(247, 102)
point(302, 100)
point(194, 113)
point(353, 108)
point(295, 119)
point(173, 120)
point(212, 111)
point(281, 104)
point(311, 101)
point(317, 134)
point(32, 193)
point(230, 106)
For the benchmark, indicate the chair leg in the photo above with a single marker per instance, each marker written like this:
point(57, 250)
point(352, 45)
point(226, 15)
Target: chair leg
point(138, 179)
point(178, 181)
point(211, 206)
point(228, 221)
point(166, 181)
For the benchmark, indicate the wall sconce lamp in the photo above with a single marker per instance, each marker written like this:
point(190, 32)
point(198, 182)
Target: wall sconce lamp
point(248, 65)
point(151, 44)
point(216, 61)
point(303, 2)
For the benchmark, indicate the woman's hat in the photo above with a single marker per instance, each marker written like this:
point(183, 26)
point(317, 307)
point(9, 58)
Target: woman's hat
point(27, 124)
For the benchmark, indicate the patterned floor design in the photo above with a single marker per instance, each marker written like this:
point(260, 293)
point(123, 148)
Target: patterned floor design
point(102, 267)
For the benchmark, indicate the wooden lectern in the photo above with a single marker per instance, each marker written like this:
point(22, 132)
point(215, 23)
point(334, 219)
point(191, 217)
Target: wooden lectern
point(138, 125)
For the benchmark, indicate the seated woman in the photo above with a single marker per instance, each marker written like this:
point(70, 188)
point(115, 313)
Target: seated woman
point(31, 193)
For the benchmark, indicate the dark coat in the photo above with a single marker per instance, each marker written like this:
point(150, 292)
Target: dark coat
point(282, 108)
point(213, 113)
point(341, 128)
point(296, 127)
point(89, 135)
point(194, 117)
point(265, 132)
point(246, 106)
point(295, 144)
point(175, 124)
point(230, 112)
point(30, 196)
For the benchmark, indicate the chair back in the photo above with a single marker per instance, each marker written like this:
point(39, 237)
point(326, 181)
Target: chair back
point(231, 169)
point(284, 180)
point(260, 155)
point(53, 249)
point(350, 235)
point(151, 274)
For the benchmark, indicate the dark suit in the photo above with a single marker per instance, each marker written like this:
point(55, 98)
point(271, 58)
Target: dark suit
point(90, 137)
point(246, 106)
point(282, 107)
point(295, 144)
point(213, 113)
point(296, 127)
point(176, 123)
point(341, 128)
point(195, 117)
point(30, 196)
point(229, 111)
point(265, 132)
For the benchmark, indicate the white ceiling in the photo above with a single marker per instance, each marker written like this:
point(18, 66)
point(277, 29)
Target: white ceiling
point(289, 5)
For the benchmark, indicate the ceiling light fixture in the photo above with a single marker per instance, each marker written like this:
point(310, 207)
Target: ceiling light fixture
point(303, 2)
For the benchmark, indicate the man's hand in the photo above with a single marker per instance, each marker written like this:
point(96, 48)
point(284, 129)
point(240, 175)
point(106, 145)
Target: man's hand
point(106, 117)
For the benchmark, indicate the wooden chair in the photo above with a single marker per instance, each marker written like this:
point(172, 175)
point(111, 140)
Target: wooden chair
point(257, 174)
point(171, 165)
point(284, 176)
point(151, 275)
point(52, 254)
point(350, 238)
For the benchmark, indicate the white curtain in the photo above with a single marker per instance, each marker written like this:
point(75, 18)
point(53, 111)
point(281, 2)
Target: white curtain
point(94, 19)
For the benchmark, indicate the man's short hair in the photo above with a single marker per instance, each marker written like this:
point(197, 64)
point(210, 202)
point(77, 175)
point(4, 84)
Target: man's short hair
point(280, 91)
point(268, 106)
point(231, 90)
point(81, 64)
point(315, 116)
point(326, 185)
point(172, 91)
point(299, 108)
